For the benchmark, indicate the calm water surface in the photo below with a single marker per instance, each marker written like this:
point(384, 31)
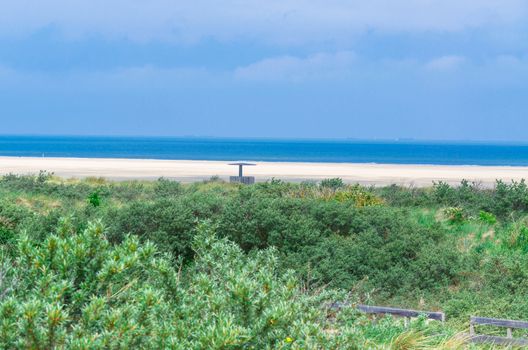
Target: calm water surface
point(266, 150)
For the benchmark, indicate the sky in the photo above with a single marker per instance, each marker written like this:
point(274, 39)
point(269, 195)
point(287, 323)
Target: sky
point(372, 69)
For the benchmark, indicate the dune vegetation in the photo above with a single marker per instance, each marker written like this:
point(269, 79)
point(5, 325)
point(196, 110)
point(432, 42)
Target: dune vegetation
point(93, 264)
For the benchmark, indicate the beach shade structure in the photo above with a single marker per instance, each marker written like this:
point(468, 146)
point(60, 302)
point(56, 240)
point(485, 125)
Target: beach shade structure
point(248, 180)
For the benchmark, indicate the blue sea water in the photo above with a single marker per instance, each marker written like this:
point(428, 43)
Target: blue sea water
point(407, 152)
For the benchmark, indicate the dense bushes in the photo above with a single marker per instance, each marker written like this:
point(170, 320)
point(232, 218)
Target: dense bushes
point(45, 184)
point(388, 253)
point(77, 291)
point(170, 222)
point(11, 216)
point(381, 247)
point(462, 249)
point(379, 243)
point(505, 199)
point(258, 220)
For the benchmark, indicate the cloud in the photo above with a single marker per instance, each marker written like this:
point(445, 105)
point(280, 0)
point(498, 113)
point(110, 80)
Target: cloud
point(141, 78)
point(335, 68)
point(275, 21)
point(445, 63)
point(294, 69)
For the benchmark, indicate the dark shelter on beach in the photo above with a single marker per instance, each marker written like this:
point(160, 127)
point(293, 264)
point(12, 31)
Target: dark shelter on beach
point(247, 180)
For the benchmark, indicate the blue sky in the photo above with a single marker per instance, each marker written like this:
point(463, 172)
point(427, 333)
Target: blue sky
point(424, 69)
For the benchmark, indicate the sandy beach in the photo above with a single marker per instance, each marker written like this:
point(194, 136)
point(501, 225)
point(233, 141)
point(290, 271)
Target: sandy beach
point(190, 171)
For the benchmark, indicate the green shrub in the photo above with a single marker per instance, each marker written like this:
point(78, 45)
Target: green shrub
point(165, 188)
point(358, 195)
point(443, 193)
point(77, 291)
point(332, 184)
point(487, 218)
point(387, 254)
point(94, 199)
point(517, 237)
point(396, 254)
point(169, 222)
point(400, 196)
point(455, 215)
point(11, 217)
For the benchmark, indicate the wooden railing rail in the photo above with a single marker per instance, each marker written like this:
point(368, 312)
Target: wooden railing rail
point(508, 324)
point(407, 313)
point(432, 315)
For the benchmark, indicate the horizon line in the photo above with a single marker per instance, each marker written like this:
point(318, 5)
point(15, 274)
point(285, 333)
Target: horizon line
point(275, 138)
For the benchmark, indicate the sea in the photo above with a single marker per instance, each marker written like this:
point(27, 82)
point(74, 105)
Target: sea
point(274, 150)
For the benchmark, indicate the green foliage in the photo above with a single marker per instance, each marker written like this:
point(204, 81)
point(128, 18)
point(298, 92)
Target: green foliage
point(517, 237)
point(336, 243)
point(510, 197)
point(254, 306)
point(455, 215)
point(170, 222)
point(41, 183)
point(359, 196)
point(385, 252)
point(333, 184)
point(11, 216)
point(487, 218)
point(522, 239)
point(505, 200)
point(94, 199)
point(400, 196)
point(256, 221)
point(295, 247)
point(165, 188)
point(76, 290)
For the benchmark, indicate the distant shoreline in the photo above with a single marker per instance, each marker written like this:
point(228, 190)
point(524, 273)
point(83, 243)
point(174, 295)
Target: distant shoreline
point(119, 169)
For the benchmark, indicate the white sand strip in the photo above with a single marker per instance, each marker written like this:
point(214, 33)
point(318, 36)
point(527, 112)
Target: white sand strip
point(191, 170)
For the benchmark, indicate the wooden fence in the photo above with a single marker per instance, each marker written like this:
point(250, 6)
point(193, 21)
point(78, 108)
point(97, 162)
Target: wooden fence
point(489, 339)
point(473, 337)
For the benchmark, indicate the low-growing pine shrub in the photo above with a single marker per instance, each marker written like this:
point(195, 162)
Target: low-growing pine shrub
point(78, 291)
